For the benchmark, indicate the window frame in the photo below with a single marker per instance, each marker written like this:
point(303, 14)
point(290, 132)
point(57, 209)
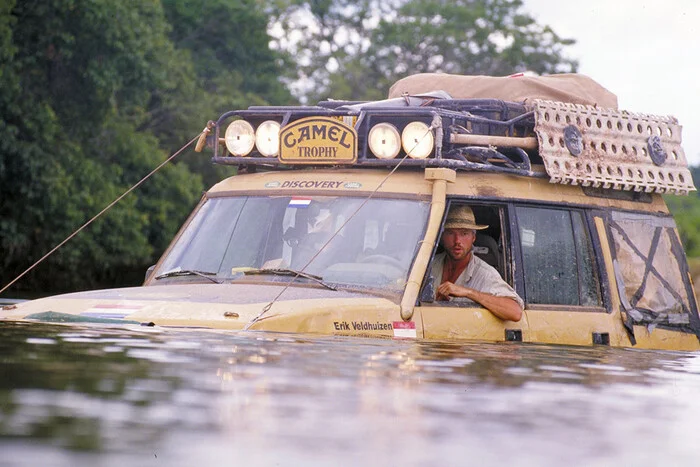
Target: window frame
point(679, 254)
point(507, 259)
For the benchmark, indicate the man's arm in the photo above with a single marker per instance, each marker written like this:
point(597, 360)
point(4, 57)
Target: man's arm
point(503, 307)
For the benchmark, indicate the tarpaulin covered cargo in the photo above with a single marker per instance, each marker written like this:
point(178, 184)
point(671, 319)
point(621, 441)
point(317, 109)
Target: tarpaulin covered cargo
point(566, 87)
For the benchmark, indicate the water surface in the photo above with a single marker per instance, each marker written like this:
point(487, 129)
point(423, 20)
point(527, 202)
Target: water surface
point(141, 396)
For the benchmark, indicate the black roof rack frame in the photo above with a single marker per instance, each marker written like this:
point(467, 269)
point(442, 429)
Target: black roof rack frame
point(447, 117)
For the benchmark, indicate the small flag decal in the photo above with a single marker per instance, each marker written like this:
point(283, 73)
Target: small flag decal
point(404, 330)
point(299, 202)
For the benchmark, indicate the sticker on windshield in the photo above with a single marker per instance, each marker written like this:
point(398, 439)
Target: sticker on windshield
point(299, 202)
point(404, 330)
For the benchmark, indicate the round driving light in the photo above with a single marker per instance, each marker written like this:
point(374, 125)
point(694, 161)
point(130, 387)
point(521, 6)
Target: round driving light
point(240, 138)
point(417, 140)
point(267, 138)
point(384, 141)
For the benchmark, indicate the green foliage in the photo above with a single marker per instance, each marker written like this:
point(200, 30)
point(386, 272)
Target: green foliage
point(228, 40)
point(94, 94)
point(227, 46)
point(345, 45)
point(686, 211)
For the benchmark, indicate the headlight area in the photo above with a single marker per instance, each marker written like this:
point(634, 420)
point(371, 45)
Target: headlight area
point(384, 141)
point(323, 139)
point(387, 141)
point(267, 138)
point(417, 140)
point(241, 138)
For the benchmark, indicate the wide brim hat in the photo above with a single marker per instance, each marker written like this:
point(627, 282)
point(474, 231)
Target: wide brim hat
point(462, 217)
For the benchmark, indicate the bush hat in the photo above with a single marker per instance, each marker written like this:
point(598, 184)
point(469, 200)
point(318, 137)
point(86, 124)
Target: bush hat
point(462, 217)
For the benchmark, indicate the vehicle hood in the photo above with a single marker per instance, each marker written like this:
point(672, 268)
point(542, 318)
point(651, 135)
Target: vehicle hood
point(225, 306)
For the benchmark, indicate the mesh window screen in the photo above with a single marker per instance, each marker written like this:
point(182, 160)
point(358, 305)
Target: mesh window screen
point(650, 276)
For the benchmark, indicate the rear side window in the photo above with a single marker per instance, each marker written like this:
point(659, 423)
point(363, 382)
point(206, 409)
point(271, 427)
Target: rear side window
point(558, 262)
point(650, 270)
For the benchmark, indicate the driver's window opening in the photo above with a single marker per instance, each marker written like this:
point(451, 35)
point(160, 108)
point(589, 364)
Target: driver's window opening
point(489, 242)
point(488, 246)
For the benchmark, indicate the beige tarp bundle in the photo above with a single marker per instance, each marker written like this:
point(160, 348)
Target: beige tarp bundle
point(565, 87)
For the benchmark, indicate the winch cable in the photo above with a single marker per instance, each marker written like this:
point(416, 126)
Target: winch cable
point(109, 206)
point(267, 307)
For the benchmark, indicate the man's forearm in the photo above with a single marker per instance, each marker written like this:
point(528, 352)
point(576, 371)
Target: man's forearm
point(503, 307)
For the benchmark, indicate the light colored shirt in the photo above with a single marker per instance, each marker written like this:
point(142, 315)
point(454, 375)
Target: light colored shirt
point(478, 275)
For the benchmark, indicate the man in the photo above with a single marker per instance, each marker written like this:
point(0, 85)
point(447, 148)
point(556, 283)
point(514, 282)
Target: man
point(467, 277)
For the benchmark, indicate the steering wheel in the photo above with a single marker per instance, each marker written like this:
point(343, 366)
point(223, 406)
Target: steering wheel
point(382, 259)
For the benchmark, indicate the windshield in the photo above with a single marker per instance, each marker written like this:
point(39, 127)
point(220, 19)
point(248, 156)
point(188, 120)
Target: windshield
point(374, 246)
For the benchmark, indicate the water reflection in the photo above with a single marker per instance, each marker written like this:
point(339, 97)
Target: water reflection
point(110, 396)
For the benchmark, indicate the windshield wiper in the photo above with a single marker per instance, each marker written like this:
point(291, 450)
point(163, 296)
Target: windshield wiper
point(188, 272)
point(291, 272)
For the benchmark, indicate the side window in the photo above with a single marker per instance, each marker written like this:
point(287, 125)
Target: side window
point(487, 245)
point(650, 269)
point(558, 261)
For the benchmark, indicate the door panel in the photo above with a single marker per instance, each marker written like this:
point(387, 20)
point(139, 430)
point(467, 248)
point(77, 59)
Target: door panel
point(468, 323)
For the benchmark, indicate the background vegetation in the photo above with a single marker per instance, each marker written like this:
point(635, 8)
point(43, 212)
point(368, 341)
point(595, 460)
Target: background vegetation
point(95, 93)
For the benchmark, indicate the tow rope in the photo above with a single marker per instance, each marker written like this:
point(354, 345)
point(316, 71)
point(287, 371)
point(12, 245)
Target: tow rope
point(109, 206)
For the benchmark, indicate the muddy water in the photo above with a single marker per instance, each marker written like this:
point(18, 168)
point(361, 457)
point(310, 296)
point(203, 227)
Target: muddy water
point(112, 397)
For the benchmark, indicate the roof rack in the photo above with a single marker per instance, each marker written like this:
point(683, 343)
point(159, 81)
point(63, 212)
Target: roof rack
point(575, 144)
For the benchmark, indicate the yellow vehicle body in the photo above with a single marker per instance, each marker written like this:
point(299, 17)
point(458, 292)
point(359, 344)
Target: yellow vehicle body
point(632, 287)
point(216, 306)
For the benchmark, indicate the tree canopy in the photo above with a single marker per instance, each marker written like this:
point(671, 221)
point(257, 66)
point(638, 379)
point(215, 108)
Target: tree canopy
point(343, 45)
point(93, 95)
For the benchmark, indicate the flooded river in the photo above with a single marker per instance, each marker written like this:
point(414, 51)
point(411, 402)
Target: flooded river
point(113, 397)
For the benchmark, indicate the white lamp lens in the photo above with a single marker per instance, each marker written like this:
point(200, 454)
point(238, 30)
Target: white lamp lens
point(267, 138)
point(384, 141)
point(417, 140)
point(240, 138)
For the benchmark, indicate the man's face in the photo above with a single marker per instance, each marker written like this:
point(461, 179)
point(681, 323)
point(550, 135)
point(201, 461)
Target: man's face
point(458, 242)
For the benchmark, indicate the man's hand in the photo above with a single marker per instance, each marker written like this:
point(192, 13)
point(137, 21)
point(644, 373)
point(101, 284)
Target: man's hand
point(448, 289)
